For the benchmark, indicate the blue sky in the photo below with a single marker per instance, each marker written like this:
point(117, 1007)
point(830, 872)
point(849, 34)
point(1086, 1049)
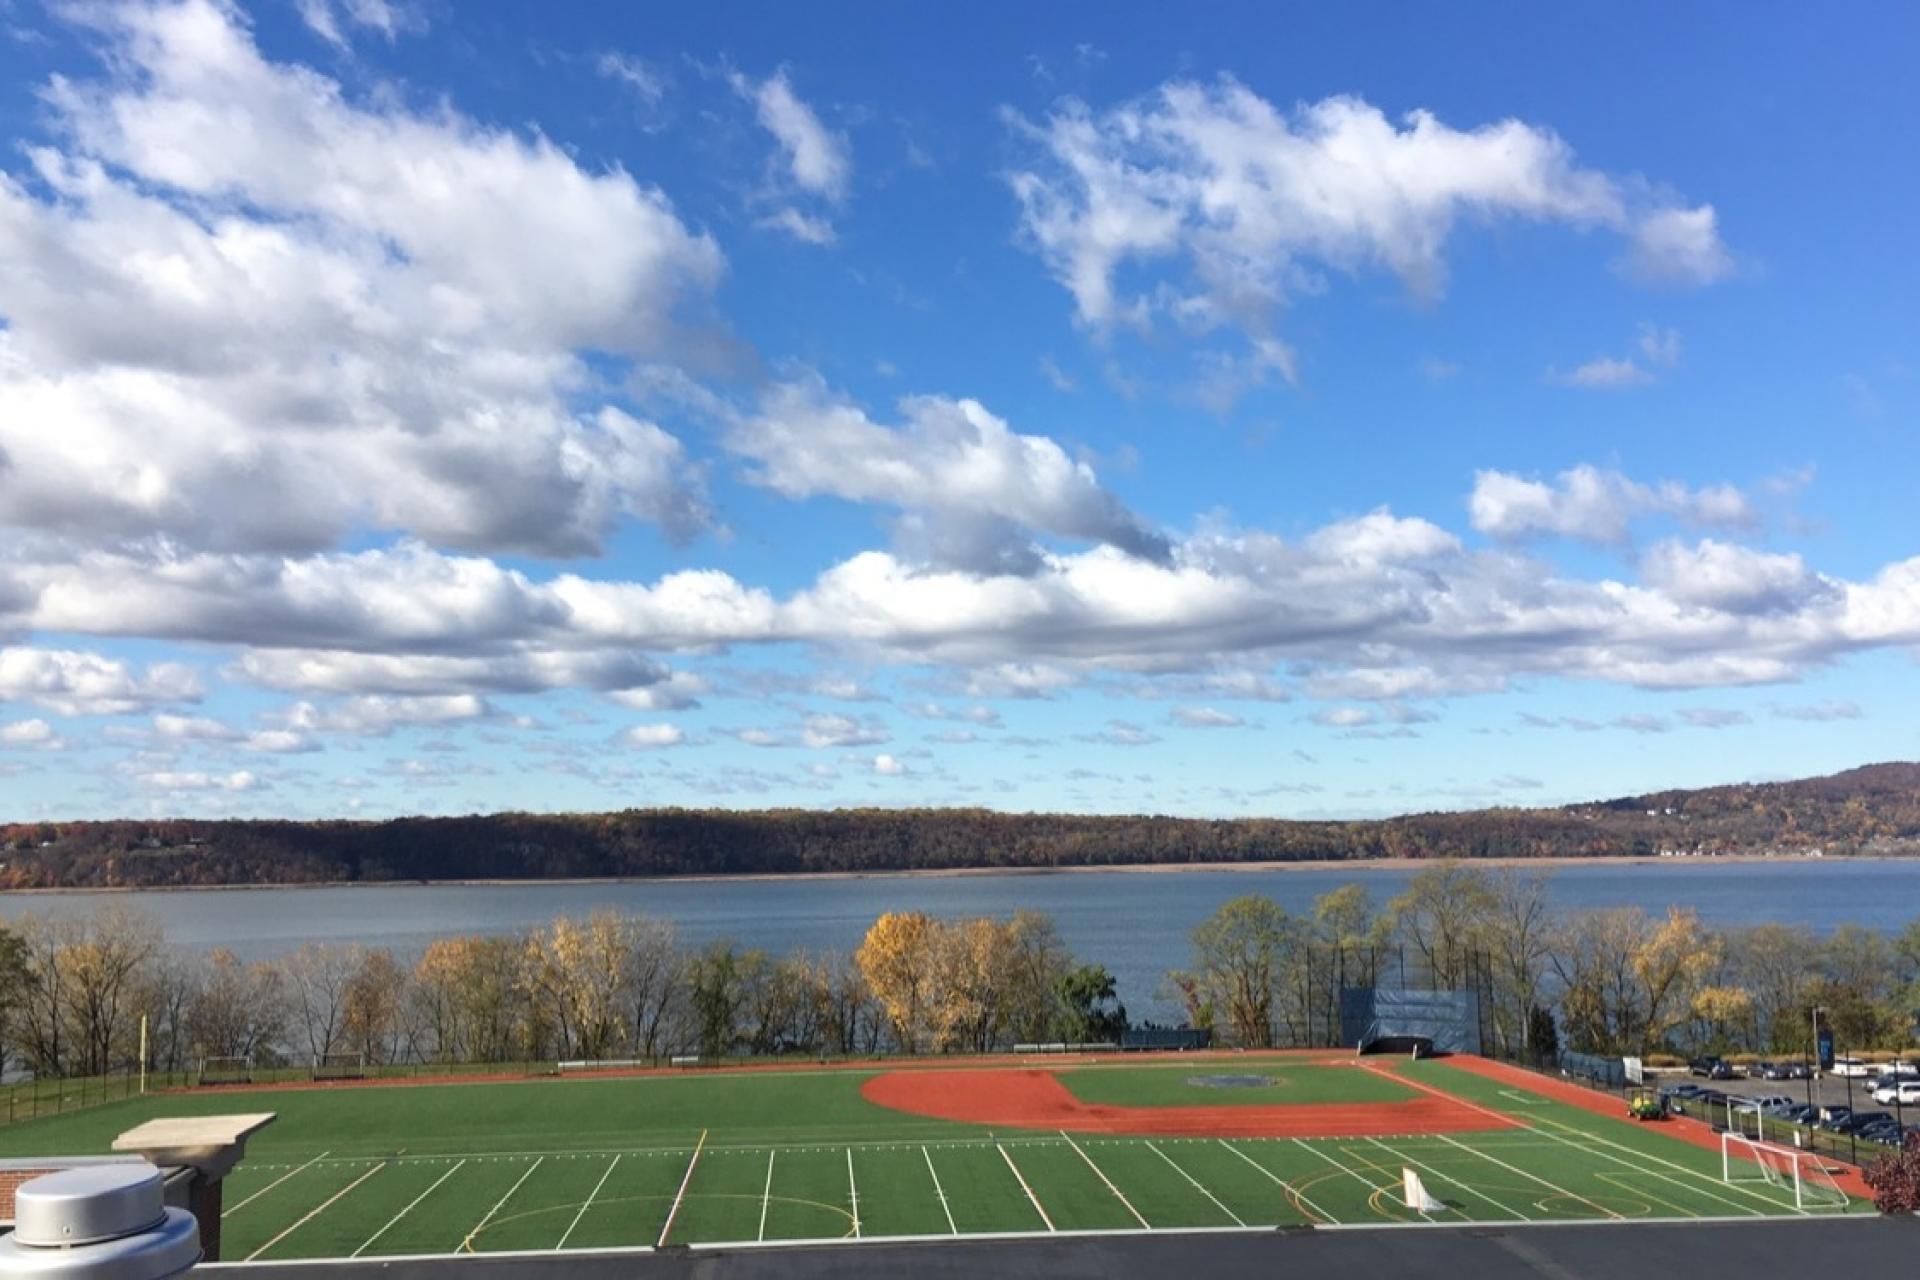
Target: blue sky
point(414, 407)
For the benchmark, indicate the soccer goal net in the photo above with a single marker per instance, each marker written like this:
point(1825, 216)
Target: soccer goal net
point(340, 1066)
point(1802, 1174)
point(226, 1071)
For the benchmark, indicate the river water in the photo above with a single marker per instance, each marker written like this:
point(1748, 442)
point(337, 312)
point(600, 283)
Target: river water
point(1135, 923)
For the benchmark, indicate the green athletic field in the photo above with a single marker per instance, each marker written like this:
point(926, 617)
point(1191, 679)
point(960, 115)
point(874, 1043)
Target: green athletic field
point(776, 1156)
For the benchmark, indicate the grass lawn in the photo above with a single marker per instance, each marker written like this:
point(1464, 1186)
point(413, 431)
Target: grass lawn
point(1184, 1086)
point(712, 1158)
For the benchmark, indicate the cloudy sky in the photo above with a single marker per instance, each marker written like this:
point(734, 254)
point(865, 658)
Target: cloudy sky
point(433, 407)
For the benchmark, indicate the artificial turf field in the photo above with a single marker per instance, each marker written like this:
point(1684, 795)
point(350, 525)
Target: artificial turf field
point(709, 1158)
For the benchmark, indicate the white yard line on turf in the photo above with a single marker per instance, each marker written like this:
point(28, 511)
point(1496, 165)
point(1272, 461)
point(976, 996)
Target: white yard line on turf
point(316, 1211)
point(1707, 1178)
point(591, 1197)
point(1555, 1187)
point(853, 1193)
point(1109, 1181)
point(276, 1182)
point(1196, 1184)
point(466, 1246)
point(766, 1197)
point(404, 1212)
point(1357, 1176)
point(1031, 1198)
point(1464, 1185)
point(681, 1194)
point(1278, 1181)
point(940, 1191)
point(1534, 1128)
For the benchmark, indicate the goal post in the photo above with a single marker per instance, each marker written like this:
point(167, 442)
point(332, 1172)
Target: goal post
point(226, 1070)
point(340, 1066)
point(1800, 1173)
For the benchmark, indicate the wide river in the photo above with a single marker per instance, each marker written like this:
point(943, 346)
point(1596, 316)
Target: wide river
point(1136, 923)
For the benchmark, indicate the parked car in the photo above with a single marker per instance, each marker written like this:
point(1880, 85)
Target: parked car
point(1711, 1067)
point(1796, 1071)
point(1772, 1104)
point(1860, 1120)
point(1800, 1113)
point(1857, 1068)
point(1832, 1117)
point(1904, 1092)
point(1760, 1070)
point(1887, 1134)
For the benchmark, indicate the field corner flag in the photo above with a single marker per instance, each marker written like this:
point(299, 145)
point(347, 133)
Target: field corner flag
point(1417, 1195)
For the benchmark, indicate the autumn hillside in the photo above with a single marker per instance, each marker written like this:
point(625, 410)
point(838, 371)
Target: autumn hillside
point(1874, 809)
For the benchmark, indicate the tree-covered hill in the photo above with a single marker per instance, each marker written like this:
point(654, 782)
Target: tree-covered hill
point(1874, 809)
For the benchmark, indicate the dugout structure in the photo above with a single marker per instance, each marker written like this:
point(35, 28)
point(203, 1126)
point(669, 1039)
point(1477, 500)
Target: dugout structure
point(1410, 1020)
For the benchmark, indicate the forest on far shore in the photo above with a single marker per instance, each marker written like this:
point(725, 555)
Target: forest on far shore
point(1870, 810)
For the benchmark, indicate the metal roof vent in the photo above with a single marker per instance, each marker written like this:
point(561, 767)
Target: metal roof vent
point(100, 1222)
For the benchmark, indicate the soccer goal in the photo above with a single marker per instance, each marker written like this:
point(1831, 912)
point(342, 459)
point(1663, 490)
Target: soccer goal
point(1802, 1173)
point(340, 1066)
point(226, 1071)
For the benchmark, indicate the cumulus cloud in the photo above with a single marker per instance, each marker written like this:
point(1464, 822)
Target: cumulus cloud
point(1819, 712)
point(888, 766)
point(335, 20)
point(823, 731)
point(1657, 348)
point(1257, 203)
point(28, 733)
point(75, 683)
point(1120, 733)
point(340, 317)
point(377, 716)
point(969, 482)
point(195, 780)
point(652, 737)
point(1593, 505)
point(1731, 578)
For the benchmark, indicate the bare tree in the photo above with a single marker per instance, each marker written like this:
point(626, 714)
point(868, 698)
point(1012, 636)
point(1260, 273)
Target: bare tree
point(317, 978)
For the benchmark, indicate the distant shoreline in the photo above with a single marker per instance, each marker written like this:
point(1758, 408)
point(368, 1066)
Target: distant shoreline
point(937, 873)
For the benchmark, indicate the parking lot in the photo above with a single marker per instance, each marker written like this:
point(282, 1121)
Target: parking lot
point(1854, 1093)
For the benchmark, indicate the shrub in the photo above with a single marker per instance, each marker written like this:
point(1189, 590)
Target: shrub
point(1895, 1178)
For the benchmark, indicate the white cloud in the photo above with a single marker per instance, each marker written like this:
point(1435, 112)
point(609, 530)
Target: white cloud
point(636, 75)
point(333, 20)
point(1594, 505)
point(75, 683)
point(1731, 578)
point(817, 159)
point(823, 731)
point(1257, 203)
point(654, 736)
point(1820, 712)
point(1206, 718)
point(1603, 373)
point(28, 733)
point(403, 298)
point(888, 766)
point(179, 728)
point(376, 715)
point(1121, 733)
point(1714, 717)
point(1345, 717)
point(970, 482)
point(1680, 246)
point(177, 780)
point(977, 714)
point(814, 162)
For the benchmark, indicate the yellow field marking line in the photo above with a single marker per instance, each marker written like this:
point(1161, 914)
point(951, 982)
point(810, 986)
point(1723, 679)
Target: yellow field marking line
point(680, 1195)
point(853, 1193)
point(1034, 1199)
point(466, 1246)
point(1374, 1187)
point(1196, 1184)
point(404, 1212)
point(276, 1182)
point(940, 1191)
point(1531, 1177)
point(1279, 1181)
point(1109, 1181)
point(316, 1211)
point(766, 1196)
point(1468, 1187)
point(591, 1197)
